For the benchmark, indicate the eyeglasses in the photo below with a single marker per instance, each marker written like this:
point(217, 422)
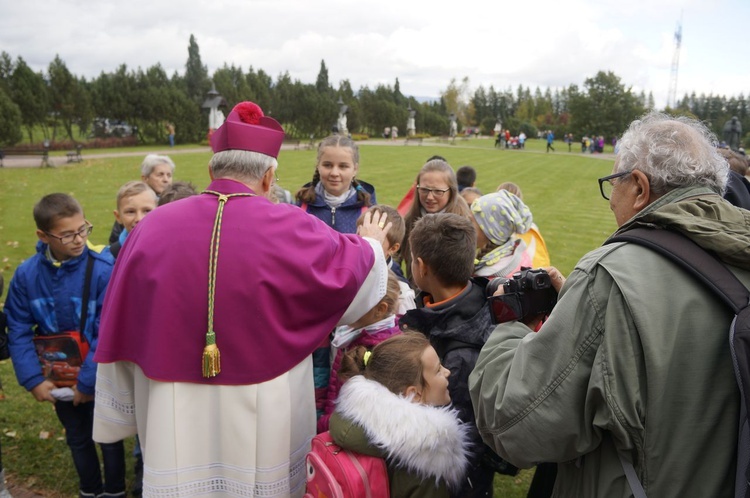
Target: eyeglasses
point(606, 185)
point(437, 192)
point(67, 239)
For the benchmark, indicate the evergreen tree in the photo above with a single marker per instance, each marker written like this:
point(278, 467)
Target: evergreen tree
point(10, 120)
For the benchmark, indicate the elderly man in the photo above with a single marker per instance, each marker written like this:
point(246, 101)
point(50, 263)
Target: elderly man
point(634, 360)
point(214, 307)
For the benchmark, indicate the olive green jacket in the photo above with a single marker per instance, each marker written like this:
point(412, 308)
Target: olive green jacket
point(425, 447)
point(634, 359)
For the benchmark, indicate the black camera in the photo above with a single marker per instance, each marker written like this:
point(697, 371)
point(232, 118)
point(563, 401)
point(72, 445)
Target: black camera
point(528, 293)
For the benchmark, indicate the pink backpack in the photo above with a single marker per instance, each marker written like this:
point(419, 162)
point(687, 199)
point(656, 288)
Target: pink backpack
point(333, 472)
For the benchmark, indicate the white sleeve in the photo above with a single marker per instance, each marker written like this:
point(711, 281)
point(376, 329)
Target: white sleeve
point(114, 409)
point(373, 289)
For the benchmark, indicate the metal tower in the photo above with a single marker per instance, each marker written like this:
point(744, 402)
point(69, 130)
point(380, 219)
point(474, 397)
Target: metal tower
point(672, 93)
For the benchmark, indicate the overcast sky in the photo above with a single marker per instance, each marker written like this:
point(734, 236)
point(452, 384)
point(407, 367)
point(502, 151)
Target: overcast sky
point(545, 43)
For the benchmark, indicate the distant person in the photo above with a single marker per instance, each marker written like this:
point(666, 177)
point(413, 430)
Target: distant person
point(550, 141)
point(44, 299)
point(394, 404)
point(521, 140)
point(170, 133)
point(466, 176)
point(732, 133)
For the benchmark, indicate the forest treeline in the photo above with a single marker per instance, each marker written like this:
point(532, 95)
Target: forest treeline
point(66, 107)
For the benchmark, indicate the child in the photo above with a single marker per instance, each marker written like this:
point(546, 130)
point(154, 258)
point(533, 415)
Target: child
point(391, 248)
point(176, 191)
point(374, 327)
point(335, 196)
point(452, 312)
point(498, 217)
point(44, 298)
point(156, 172)
point(437, 192)
point(393, 405)
point(536, 247)
point(134, 201)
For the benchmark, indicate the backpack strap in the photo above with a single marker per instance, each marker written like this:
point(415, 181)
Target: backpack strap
point(710, 271)
point(693, 258)
point(86, 293)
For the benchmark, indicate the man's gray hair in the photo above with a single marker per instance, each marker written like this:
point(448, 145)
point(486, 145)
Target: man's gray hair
point(241, 165)
point(153, 160)
point(674, 152)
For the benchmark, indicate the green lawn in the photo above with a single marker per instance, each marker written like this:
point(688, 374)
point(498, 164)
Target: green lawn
point(560, 188)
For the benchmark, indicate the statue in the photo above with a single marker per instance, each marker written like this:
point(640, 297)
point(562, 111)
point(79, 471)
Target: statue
point(454, 126)
point(411, 127)
point(733, 133)
point(341, 125)
point(498, 126)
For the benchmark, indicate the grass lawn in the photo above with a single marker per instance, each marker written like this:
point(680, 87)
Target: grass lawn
point(560, 188)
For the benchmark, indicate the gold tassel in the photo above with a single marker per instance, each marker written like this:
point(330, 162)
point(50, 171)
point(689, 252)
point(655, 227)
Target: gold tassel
point(211, 357)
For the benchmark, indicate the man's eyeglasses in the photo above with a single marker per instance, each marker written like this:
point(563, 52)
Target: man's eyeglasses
point(437, 192)
point(606, 185)
point(67, 239)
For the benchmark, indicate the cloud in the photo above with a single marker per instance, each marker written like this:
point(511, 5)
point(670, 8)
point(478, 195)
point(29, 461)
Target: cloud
point(547, 43)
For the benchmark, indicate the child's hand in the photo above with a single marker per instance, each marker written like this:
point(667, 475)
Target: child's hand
point(375, 225)
point(79, 397)
point(43, 391)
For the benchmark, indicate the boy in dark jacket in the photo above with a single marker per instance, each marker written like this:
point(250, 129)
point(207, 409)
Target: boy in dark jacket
point(45, 298)
point(452, 312)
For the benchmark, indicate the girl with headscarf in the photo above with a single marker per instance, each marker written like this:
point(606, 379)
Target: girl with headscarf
point(497, 217)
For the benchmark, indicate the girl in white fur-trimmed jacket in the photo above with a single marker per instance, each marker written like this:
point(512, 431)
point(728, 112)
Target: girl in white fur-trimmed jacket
point(394, 406)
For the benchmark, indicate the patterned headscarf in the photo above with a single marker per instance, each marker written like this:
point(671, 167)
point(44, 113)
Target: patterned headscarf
point(500, 215)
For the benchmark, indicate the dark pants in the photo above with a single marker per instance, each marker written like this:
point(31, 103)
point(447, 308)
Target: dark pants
point(79, 424)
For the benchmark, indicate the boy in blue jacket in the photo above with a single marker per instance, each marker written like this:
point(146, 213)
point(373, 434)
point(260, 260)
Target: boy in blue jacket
point(45, 298)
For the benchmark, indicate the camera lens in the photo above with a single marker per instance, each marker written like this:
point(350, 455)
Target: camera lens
point(494, 285)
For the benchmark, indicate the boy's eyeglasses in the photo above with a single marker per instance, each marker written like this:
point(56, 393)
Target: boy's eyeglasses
point(67, 239)
point(437, 192)
point(606, 185)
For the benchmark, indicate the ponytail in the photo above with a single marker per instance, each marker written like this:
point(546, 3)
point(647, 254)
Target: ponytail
point(306, 195)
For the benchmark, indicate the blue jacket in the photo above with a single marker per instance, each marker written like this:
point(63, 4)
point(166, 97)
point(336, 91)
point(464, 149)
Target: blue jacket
point(44, 299)
point(343, 219)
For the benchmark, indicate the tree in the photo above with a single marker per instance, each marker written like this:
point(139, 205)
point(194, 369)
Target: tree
point(64, 93)
point(606, 108)
point(321, 83)
point(29, 92)
point(455, 97)
point(10, 120)
point(196, 74)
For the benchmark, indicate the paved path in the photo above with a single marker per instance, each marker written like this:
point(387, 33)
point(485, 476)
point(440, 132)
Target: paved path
point(55, 161)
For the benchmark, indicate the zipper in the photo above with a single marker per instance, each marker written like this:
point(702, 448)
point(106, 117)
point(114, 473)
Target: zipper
point(362, 474)
point(333, 217)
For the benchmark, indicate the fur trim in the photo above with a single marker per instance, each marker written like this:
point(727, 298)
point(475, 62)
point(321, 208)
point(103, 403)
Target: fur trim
point(426, 440)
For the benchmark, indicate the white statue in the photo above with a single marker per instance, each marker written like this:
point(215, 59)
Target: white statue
point(342, 121)
point(411, 127)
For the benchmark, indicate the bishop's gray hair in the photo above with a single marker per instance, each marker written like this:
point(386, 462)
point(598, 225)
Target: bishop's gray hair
point(241, 165)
